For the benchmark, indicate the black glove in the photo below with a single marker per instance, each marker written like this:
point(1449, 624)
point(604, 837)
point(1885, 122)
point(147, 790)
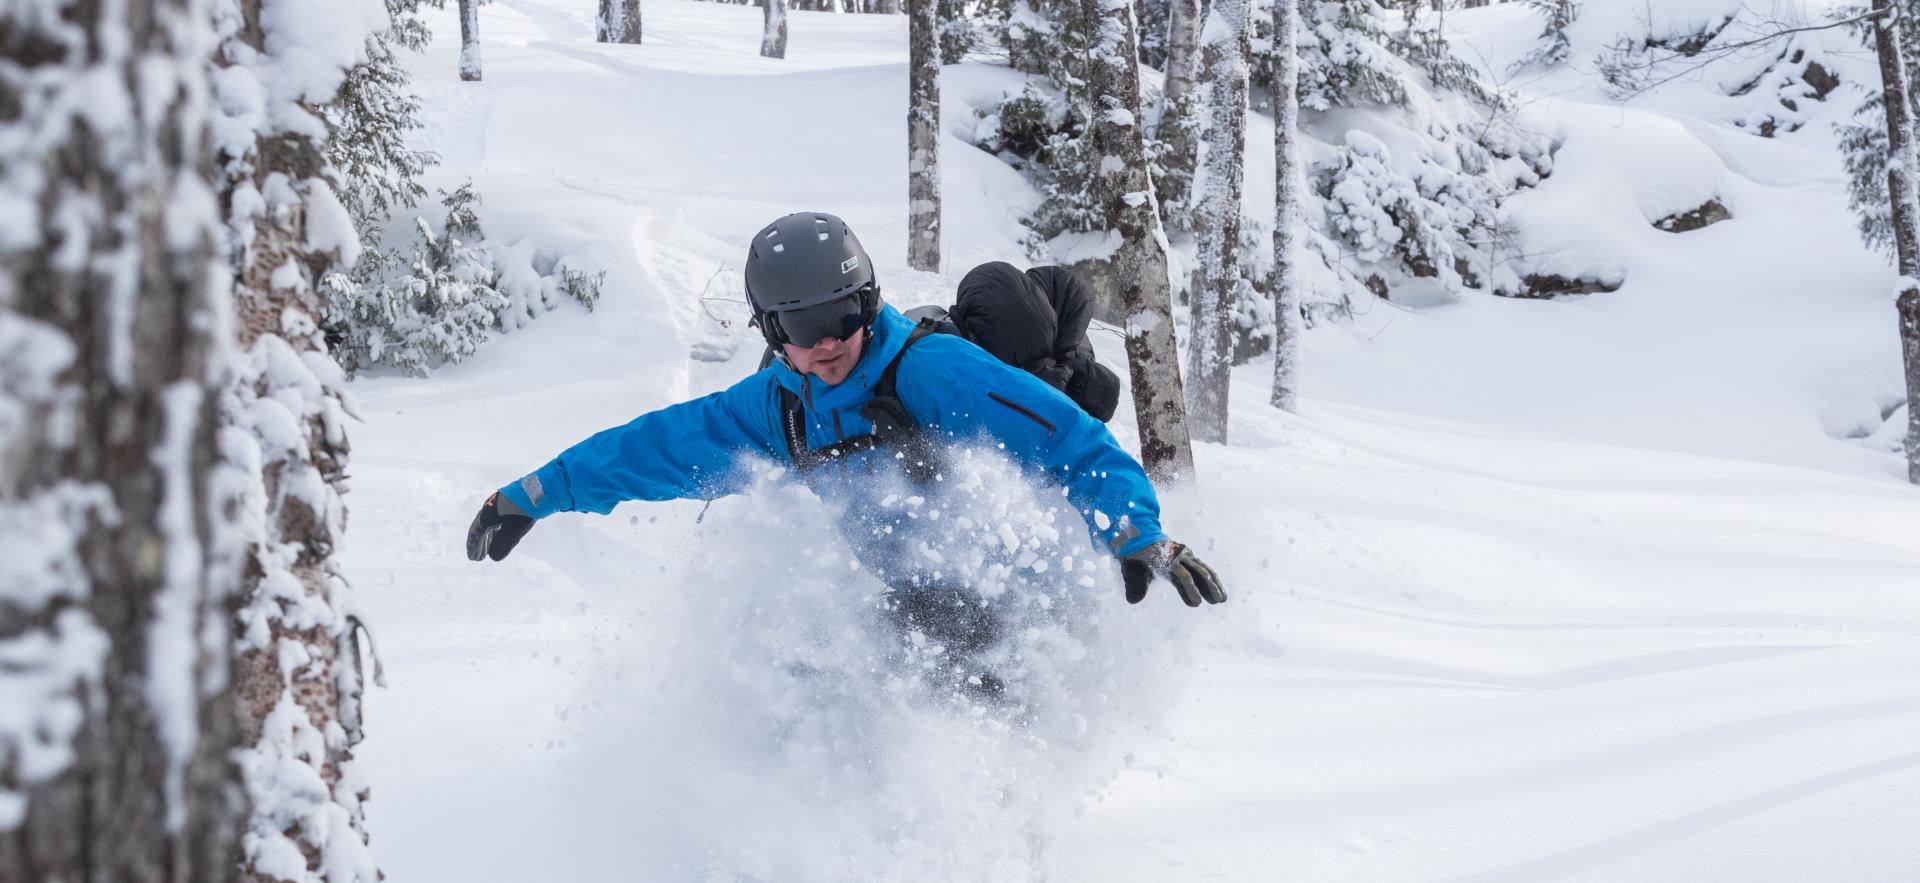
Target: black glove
point(1191, 576)
point(497, 529)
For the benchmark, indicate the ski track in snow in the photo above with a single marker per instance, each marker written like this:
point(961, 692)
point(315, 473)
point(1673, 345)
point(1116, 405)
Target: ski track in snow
point(1532, 591)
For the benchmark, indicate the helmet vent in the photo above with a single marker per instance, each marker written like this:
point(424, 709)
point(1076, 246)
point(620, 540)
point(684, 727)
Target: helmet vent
point(778, 248)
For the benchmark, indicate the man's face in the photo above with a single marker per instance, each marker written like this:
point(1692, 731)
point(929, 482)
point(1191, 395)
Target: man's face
point(831, 360)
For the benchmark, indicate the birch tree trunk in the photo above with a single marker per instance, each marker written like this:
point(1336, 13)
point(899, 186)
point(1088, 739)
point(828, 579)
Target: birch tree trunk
point(470, 40)
point(297, 672)
point(1216, 273)
point(1179, 126)
point(1288, 325)
point(118, 726)
point(773, 42)
point(923, 136)
point(1901, 158)
point(1140, 255)
point(618, 22)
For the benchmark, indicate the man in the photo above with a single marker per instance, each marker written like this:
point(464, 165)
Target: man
point(858, 393)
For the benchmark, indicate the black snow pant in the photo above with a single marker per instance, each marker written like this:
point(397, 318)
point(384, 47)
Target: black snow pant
point(955, 619)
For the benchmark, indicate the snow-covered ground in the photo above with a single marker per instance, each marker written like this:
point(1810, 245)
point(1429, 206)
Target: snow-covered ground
point(1583, 589)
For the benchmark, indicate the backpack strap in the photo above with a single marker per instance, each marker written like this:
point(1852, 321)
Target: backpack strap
point(793, 428)
point(885, 385)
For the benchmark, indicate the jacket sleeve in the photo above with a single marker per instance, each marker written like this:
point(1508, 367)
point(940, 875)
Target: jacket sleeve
point(963, 390)
point(686, 451)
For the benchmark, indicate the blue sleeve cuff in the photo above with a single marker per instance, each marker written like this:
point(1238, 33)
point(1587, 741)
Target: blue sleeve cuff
point(1134, 534)
point(540, 492)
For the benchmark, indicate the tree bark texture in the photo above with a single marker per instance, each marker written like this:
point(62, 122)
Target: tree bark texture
point(1140, 255)
point(1288, 322)
point(923, 136)
point(470, 40)
point(1901, 157)
point(618, 22)
point(1215, 291)
point(773, 41)
point(1179, 127)
point(115, 747)
point(297, 675)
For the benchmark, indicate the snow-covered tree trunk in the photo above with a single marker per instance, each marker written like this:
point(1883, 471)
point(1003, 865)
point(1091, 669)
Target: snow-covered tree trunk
point(1901, 158)
point(773, 41)
point(1140, 245)
point(1287, 321)
point(1179, 127)
point(1226, 44)
point(297, 673)
point(470, 40)
point(923, 135)
point(618, 22)
point(116, 722)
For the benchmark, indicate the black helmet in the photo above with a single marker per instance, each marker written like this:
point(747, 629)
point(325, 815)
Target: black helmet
point(803, 260)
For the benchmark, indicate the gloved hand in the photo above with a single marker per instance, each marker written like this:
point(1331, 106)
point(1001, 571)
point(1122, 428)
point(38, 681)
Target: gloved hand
point(1190, 576)
point(497, 529)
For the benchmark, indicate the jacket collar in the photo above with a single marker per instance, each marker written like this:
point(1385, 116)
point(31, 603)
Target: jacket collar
point(890, 330)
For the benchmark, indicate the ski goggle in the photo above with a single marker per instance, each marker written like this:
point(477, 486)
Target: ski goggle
point(807, 326)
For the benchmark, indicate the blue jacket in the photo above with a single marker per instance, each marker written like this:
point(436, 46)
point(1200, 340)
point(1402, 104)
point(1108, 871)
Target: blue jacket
point(693, 450)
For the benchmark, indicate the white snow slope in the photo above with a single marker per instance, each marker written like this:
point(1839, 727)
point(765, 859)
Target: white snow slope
point(1574, 590)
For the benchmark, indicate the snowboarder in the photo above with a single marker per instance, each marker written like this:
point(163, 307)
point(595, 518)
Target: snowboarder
point(857, 388)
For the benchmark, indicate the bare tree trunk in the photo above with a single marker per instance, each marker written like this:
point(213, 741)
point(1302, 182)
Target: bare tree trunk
point(1179, 126)
point(1216, 274)
point(773, 43)
point(118, 730)
point(923, 136)
point(1288, 325)
point(1140, 258)
point(1905, 201)
point(618, 22)
point(297, 672)
point(470, 40)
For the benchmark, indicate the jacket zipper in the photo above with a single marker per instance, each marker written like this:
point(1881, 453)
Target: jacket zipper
point(1022, 410)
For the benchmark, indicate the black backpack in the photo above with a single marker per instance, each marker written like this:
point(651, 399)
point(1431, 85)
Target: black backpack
point(1036, 321)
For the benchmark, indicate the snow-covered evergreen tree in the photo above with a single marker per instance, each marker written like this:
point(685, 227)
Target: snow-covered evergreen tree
point(118, 726)
point(1225, 46)
point(923, 136)
point(1558, 15)
point(1863, 140)
point(1138, 244)
point(414, 298)
point(968, 25)
point(618, 22)
point(1426, 213)
point(368, 124)
point(442, 298)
